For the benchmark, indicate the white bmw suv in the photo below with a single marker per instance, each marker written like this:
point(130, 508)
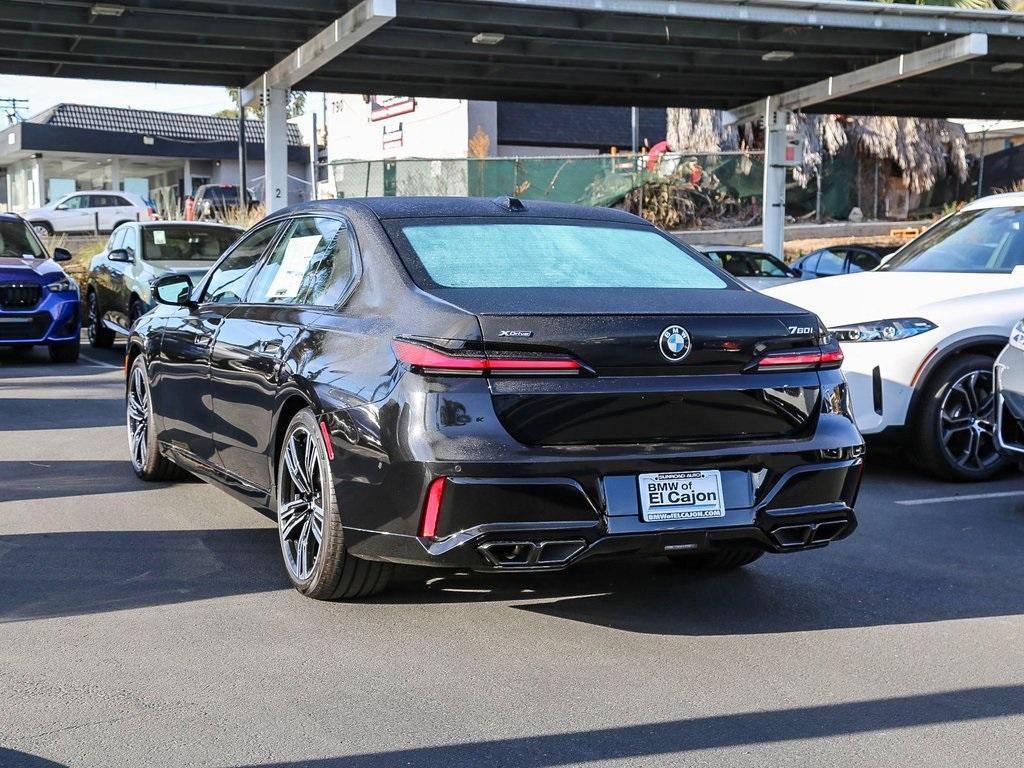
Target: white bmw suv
point(920, 334)
point(94, 211)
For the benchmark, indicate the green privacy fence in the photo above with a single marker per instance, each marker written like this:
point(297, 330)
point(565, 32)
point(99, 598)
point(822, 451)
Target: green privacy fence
point(715, 185)
point(592, 179)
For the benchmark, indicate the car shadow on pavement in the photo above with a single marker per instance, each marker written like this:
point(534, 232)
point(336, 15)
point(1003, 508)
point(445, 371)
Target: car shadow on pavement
point(33, 413)
point(633, 742)
point(117, 570)
point(12, 758)
point(45, 479)
point(914, 566)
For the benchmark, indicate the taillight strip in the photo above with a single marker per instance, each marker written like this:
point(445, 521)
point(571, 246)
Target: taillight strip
point(434, 360)
point(828, 358)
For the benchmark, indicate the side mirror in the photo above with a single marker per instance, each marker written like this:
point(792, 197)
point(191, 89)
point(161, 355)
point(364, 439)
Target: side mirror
point(61, 207)
point(119, 254)
point(173, 290)
point(62, 254)
point(797, 271)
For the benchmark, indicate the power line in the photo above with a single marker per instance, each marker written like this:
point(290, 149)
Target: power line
point(12, 107)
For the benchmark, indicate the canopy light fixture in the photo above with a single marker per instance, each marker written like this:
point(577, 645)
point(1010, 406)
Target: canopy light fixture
point(777, 56)
point(1008, 66)
point(488, 38)
point(106, 9)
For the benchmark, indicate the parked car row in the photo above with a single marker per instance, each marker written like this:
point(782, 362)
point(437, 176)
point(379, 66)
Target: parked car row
point(499, 385)
point(761, 270)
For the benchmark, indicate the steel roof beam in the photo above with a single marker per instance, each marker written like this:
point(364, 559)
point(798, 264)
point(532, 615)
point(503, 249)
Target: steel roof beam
point(893, 70)
point(826, 13)
point(360, 22)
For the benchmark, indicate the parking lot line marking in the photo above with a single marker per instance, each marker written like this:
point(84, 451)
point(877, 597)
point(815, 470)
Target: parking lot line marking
point(100, 363)
point(966, 497)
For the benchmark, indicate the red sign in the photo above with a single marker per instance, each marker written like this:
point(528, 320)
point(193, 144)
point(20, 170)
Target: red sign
point(383, 107)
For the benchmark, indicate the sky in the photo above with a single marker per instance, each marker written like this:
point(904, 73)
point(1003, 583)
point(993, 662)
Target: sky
point(44, 92)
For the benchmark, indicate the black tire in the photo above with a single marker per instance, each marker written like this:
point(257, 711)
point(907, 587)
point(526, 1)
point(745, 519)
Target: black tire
point(938, 442)
point(65, 352)
point(145, 457)
point(100, 337)
point(724, 560)
point(137, 310)
point(43, 228)
point(334, 574)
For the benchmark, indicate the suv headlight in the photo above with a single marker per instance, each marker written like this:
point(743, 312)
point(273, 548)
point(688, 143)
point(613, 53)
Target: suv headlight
point(883, 330)
point(64, 284)
point(1017, 336)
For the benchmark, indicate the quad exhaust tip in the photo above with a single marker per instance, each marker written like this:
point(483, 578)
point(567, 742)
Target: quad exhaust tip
point(806, 534)
point(530, 554)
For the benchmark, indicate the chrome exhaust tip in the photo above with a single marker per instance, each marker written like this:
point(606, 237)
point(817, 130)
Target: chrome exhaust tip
point(530, 554)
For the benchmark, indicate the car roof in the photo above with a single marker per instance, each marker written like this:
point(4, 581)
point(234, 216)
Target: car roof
point(5, 216)
point(181, 223)
point(1005, 200)
point(463, 207)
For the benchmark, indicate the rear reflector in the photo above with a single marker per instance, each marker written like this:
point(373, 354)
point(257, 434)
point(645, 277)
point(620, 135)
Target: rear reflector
point(477, 362)
point(432, 508)
point(829, 358)
point(327, 440)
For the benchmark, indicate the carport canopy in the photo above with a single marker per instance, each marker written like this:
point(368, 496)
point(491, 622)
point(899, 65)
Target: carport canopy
point(735, 56)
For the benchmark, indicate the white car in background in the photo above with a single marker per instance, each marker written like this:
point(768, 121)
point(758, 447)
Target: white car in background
point(921, 332)
point(95, 211)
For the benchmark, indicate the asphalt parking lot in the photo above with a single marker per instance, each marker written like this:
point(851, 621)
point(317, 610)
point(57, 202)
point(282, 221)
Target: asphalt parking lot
point(152, 624)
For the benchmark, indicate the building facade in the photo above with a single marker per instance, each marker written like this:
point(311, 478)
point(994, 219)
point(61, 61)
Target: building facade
point(162, 156)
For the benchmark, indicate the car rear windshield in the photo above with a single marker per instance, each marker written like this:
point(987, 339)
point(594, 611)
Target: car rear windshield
point(549, 254)
point(979, 240)
point(15, 240)
point(181, 243)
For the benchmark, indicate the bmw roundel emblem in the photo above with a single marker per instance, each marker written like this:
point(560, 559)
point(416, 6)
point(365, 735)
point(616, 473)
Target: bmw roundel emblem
point(674, 343)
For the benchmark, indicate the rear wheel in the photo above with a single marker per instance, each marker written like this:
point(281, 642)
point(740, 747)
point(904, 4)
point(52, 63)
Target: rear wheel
point(100, 337)
point(952, 429)
point(309, 523)
point(147, 461)
point(725, 560)
point(66, 351)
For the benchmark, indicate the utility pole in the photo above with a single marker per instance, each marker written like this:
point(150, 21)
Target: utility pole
point(13, 107)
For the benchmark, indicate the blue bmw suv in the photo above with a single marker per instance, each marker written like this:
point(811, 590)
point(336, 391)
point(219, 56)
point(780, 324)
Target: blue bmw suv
point(39, 302)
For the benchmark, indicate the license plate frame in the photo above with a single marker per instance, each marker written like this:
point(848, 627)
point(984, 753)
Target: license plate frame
point(679, 496)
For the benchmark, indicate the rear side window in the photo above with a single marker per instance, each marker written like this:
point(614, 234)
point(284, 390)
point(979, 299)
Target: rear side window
point(312, 265)
point(552, 254)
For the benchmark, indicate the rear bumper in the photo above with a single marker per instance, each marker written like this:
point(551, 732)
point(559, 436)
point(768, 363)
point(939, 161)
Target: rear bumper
point(806, 507)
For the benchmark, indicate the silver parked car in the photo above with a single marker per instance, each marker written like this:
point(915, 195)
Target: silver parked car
point(754, 268)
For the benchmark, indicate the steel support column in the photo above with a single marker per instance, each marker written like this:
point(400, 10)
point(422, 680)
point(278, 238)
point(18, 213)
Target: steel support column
point(773, 202)
point(275, 119)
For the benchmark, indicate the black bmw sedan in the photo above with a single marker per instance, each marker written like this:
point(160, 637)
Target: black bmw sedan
point(492, 385)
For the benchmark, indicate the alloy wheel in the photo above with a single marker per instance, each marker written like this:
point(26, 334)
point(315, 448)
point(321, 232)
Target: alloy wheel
point(138, 418)
point(300, 515)
point(967, 421)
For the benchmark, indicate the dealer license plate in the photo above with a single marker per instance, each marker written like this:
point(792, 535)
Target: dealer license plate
point(681, 496)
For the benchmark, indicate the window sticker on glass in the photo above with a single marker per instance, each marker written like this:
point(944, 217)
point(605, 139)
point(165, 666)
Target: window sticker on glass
point(159, 237)
point(288, 279)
